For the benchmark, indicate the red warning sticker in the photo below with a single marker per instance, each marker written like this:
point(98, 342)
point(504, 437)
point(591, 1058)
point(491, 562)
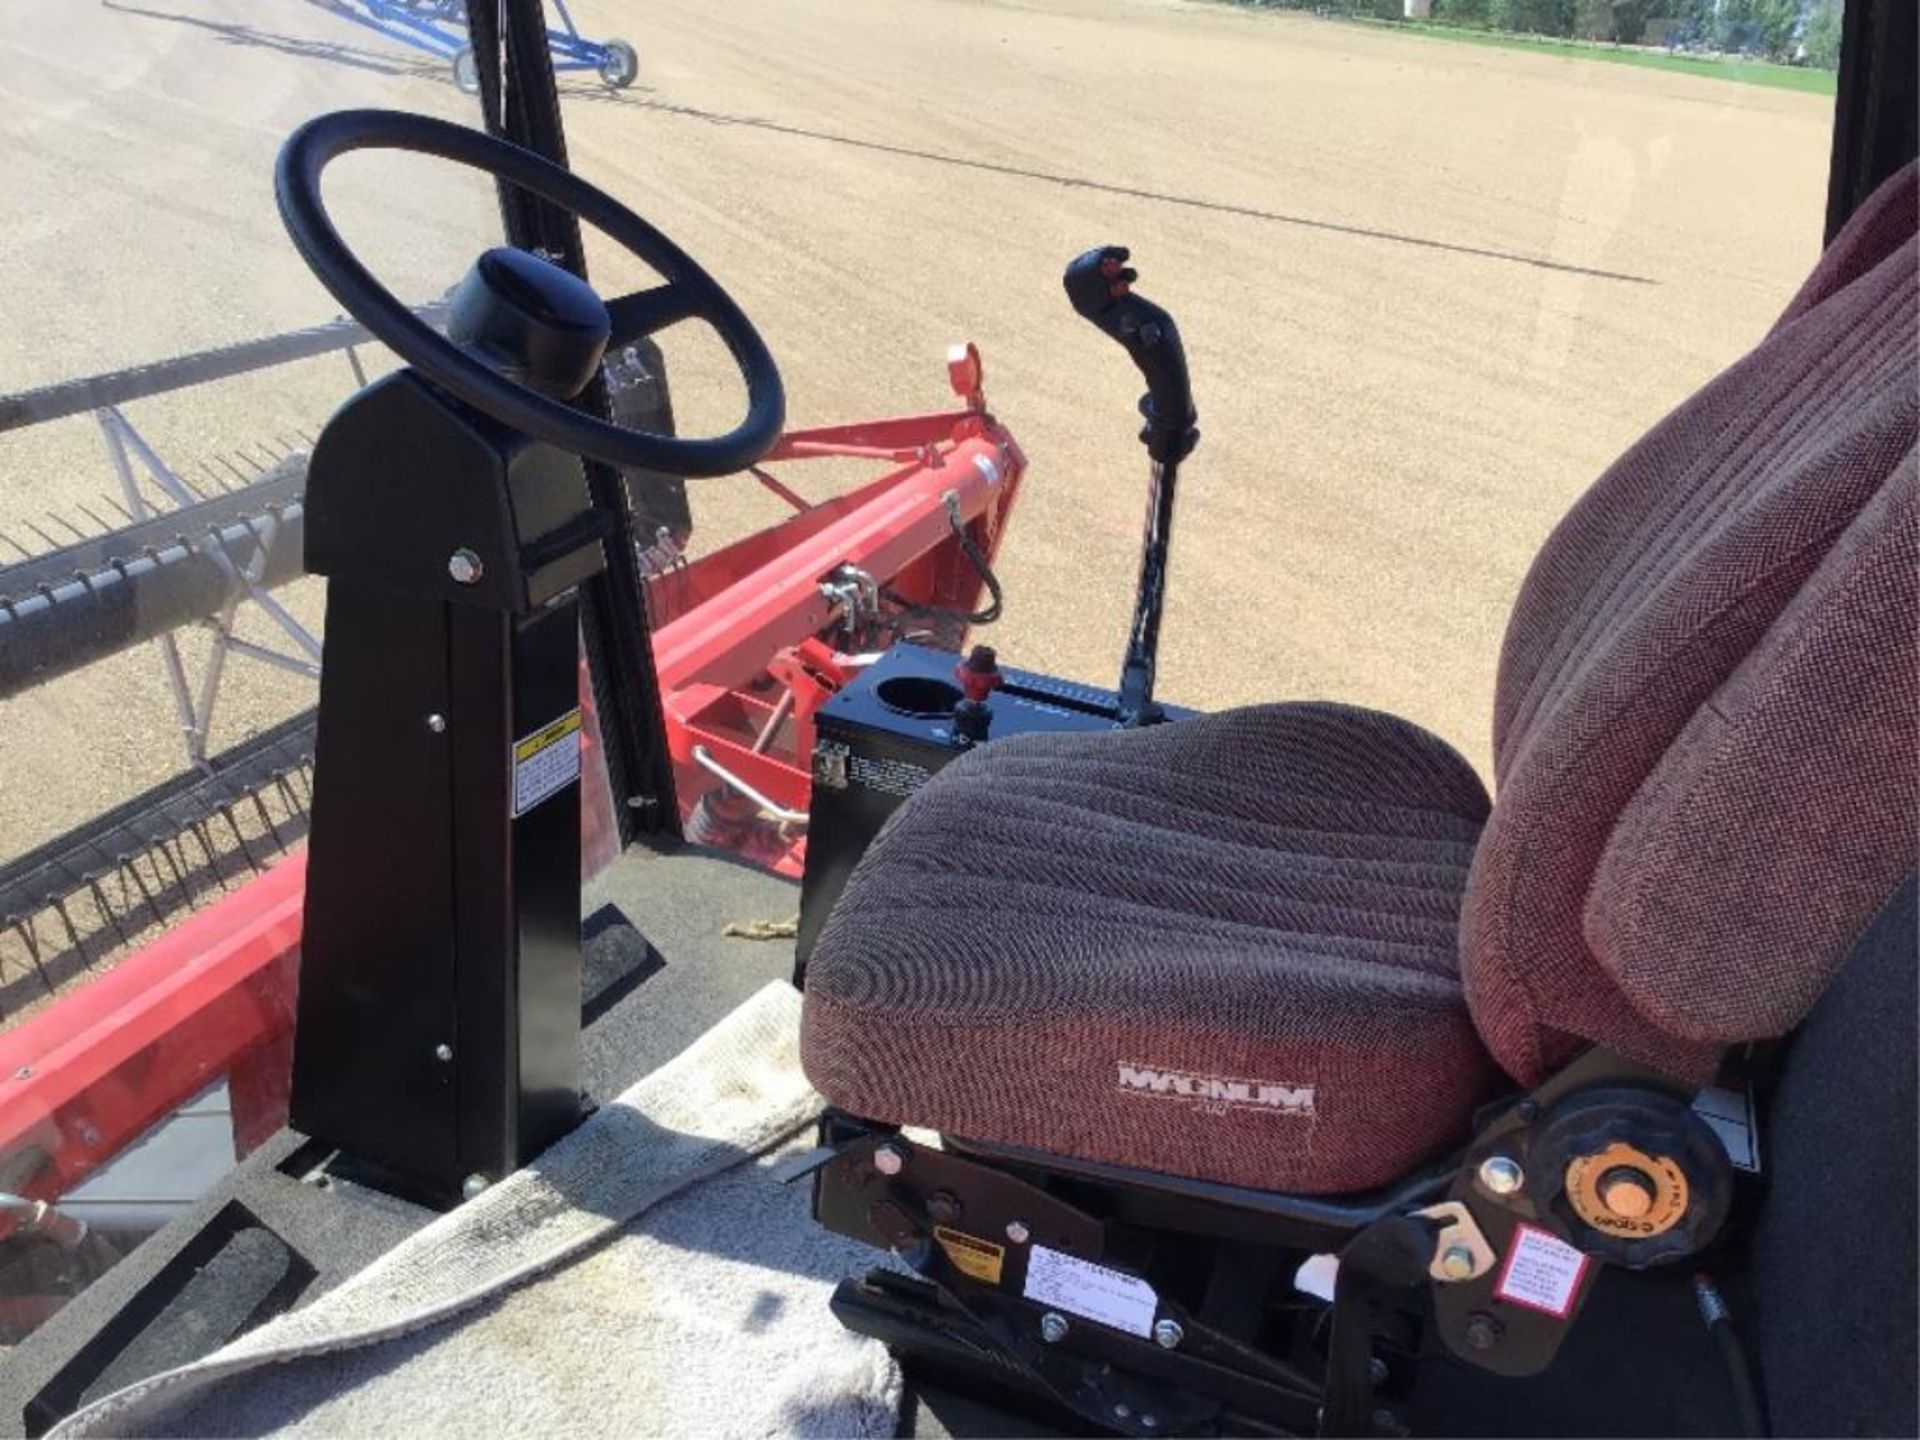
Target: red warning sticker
point(1542, 1272)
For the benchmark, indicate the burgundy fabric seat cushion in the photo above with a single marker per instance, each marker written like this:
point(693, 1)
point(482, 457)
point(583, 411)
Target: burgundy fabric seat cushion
point(1224, 948)
point(1730, 589)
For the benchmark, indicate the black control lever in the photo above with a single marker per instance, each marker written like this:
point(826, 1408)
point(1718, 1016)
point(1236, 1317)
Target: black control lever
point(1100, 286)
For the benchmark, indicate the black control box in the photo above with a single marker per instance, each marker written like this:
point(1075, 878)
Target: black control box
point(883, 737)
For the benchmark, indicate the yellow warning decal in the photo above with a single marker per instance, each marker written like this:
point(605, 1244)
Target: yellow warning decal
point(971, 1256)
point(546, 762)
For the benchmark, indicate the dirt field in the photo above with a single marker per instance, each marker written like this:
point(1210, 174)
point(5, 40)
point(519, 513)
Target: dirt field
point(1428, 291)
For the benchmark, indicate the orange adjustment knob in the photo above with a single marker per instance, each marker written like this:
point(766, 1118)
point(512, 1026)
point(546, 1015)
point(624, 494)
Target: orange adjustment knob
point(1625, 1191)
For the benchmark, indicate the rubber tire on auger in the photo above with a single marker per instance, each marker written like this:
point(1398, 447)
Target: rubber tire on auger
point(620, 66)
point(466, 71)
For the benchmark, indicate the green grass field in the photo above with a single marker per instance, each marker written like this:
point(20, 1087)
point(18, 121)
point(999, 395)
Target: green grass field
point(1747, 72)
point(1712, 67)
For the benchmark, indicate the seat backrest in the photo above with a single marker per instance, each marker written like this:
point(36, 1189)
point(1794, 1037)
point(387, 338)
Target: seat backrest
point(1704, 729)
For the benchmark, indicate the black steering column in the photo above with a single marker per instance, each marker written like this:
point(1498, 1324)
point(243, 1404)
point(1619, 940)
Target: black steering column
point(437, 1043)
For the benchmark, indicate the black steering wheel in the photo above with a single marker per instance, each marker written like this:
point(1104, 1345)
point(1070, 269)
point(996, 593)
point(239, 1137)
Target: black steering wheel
point(689, 293)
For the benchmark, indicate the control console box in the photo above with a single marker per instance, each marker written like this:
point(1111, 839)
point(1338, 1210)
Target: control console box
point(883, 737)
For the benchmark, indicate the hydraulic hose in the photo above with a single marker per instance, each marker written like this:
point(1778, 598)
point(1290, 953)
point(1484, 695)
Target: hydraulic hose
point(975, 557)
point(1733, 1355)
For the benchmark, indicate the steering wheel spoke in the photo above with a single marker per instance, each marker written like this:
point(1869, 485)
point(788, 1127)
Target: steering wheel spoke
point(646, 311)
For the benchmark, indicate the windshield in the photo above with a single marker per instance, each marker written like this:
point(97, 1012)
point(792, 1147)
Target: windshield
point(161, 644)
point(1435, 263)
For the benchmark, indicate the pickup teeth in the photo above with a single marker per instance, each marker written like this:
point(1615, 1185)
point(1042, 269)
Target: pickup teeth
point(96, 519)
point(73, 908)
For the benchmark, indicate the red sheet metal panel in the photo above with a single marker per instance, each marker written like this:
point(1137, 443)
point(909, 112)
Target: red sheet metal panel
point(88, 1076)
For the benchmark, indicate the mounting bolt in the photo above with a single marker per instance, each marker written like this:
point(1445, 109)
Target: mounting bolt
point(1456, 1262)
point(1053, 1327)
point(443, 1052)
point(1501, 1174)
point(1483, 1331)
point(1167, 1334)
point(1122, 1412)
point(473, 1185)
point(437, 724)
point(944, 1207)
point(889, 1159)
point(465, 567)
point(1017, 1232)
point(25, 1072)
point(1149, 1420)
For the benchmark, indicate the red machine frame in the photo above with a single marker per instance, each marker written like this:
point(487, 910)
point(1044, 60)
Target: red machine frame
point(741, 669)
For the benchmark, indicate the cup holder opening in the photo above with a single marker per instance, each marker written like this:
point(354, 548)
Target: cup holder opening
point(920, 696)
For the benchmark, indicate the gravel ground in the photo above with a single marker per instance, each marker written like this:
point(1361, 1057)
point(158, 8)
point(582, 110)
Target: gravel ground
point(1428, 291)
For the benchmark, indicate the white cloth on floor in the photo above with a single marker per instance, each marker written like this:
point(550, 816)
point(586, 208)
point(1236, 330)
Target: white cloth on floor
point(638, 1279)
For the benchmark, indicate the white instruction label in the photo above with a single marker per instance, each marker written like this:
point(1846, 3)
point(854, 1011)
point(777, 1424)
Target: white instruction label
point(546, 762)
point(1542, 1272)
point(1112, 1297)
point(889, 777)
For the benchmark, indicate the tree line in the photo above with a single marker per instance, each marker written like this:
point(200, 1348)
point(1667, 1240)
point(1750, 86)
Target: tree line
point(1792, 32)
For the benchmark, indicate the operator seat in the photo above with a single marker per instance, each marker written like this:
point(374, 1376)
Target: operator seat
point(1293, 946)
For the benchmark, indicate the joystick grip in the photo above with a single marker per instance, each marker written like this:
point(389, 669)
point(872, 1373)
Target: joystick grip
point(1099, 285)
